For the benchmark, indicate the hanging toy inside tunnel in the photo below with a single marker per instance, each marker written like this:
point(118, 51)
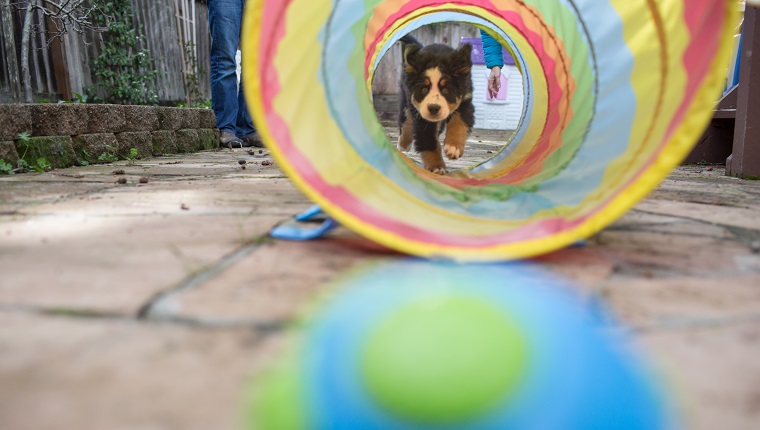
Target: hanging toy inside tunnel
point(616, 94)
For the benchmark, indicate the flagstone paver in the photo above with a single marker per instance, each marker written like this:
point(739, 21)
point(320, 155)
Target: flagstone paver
point(150, 304)
point(59, 372)
point(264, 287)
point(119, 262)
point(711, 373)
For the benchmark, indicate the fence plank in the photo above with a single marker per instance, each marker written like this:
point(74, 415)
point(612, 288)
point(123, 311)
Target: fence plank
point(203, 48)
point(45, 54)
point(59, 68)
point(77, 54)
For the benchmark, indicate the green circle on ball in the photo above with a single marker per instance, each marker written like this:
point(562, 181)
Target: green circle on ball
point(443, 359)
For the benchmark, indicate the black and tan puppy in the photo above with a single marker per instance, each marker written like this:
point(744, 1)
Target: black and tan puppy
point(436, 94)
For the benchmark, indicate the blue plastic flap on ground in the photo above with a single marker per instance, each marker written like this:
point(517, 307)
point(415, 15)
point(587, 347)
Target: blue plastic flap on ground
point(305, 226)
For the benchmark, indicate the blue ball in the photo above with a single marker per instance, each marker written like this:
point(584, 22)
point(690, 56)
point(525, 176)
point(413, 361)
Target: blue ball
point(547, 360)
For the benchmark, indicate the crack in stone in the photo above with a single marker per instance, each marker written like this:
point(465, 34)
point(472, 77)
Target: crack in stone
point(694, 323)
point(160, 306)
point(261, 327)
point(65, 312)
point(205, 323)
point(701, 221)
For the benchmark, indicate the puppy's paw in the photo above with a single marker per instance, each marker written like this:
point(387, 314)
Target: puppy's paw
point(437, 168)
point(453, 152)
point(405, 138)
point(433, 162)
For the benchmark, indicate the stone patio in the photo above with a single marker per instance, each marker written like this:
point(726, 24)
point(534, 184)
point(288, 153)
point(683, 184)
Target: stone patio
point(148, 305)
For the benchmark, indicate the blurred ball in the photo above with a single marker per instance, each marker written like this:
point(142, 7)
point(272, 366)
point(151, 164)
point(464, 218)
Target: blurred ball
point(420, 345)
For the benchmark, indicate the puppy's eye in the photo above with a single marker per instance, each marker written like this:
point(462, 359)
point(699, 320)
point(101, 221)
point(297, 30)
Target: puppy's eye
point(444, 91)
point(425, 90)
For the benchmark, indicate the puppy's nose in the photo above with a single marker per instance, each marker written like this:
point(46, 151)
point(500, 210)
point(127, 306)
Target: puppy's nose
point(434, 109)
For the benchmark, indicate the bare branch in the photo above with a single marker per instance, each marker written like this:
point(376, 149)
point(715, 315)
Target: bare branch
point(65, 15)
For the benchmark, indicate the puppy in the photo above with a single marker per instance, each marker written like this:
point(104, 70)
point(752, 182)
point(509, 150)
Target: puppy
point(435, 94)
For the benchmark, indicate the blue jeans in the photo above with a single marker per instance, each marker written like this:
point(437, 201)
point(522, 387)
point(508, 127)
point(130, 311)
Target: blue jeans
point(227, 99)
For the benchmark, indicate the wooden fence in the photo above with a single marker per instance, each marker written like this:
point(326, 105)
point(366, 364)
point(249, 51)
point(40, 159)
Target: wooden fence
point(62, 69)
point(40, 60)
point(174, 30)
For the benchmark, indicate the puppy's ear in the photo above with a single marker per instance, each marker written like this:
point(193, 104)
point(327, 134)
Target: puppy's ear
point(410, 59)
point(465, 50)
point(463, 60)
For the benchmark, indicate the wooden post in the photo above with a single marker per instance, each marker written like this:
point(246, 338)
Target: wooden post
point(745, 158)
point(717, 140)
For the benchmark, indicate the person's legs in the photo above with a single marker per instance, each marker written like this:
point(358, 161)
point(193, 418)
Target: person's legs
point(244, 124)
point(224, 19)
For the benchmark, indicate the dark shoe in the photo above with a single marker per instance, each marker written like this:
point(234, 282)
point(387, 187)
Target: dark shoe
point(253, 139)
point(229, 140)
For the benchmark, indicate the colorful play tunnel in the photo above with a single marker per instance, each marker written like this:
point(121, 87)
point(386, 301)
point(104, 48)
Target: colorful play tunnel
point(616, 94)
